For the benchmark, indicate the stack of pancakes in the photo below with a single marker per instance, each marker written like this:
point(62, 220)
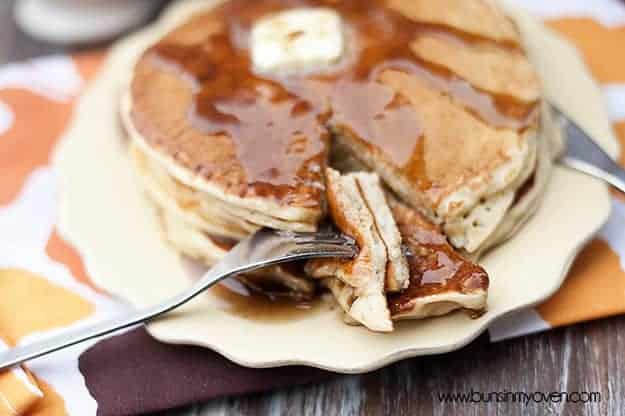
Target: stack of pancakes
point(425, 139)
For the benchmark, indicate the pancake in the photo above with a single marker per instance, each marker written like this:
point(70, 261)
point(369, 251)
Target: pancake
point(501, 215)
point(481, 18)
point(370, 188)
point(363, 279)
point(220, 216)
point(528, 197)
point(505, 72)
point(444, 178)
point(234, 127)
point(275, 282)
point(441, 280)
point(438, 98)
point(195, 237)
point(438, 279)
point(174, 197)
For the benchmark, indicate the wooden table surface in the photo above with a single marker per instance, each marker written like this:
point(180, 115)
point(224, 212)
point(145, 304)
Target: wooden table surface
point(585, 357)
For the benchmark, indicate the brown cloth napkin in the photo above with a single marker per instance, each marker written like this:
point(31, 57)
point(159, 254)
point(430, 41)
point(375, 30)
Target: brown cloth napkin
point(133, 374)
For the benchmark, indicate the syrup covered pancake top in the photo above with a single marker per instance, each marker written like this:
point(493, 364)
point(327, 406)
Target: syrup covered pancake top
point(440, 89)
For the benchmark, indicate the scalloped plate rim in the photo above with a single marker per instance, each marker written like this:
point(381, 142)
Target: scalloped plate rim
point(76, 237)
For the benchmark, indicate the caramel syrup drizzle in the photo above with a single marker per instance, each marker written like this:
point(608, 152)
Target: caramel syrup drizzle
point(279, 125)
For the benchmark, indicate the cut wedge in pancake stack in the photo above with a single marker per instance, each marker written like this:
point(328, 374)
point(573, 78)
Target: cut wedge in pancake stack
point(235, 114)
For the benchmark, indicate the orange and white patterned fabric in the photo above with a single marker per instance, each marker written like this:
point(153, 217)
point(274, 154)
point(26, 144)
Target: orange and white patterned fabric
point(45, 288)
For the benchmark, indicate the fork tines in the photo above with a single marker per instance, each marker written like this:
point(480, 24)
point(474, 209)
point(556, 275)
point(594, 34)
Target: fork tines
point(323, 238)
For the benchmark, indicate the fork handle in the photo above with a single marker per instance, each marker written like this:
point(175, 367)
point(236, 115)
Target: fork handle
point(68, 338)
point(20, 354)
point(615, 176)
point(256, 251)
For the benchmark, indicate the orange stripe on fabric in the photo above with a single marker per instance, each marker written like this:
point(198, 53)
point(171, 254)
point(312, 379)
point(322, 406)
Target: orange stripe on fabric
point(31, 303)
point(89, 63)
point(62, 252)
point(603, 47)
point(37, 127)
point(28, 143)
point(18, 393)
point(16, 397)
point(619, 129)
point(594, 289)
point(52, 404)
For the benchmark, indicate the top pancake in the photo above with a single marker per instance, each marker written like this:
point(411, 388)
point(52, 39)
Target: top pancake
point(400, 93)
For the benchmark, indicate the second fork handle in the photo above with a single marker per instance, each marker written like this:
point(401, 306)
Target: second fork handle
point(615, 177)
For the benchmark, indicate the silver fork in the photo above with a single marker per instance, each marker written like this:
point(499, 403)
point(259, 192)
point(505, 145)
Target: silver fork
point(262, 249)
point(584, 155)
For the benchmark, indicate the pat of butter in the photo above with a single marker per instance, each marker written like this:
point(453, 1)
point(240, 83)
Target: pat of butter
point(298, 40)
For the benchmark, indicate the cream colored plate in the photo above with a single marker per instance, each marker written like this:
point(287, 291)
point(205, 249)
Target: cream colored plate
point(105, 215)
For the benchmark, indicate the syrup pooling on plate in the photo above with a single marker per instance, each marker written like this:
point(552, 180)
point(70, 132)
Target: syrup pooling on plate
point(279, 124)
point(257, 299)
point(236, 299)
